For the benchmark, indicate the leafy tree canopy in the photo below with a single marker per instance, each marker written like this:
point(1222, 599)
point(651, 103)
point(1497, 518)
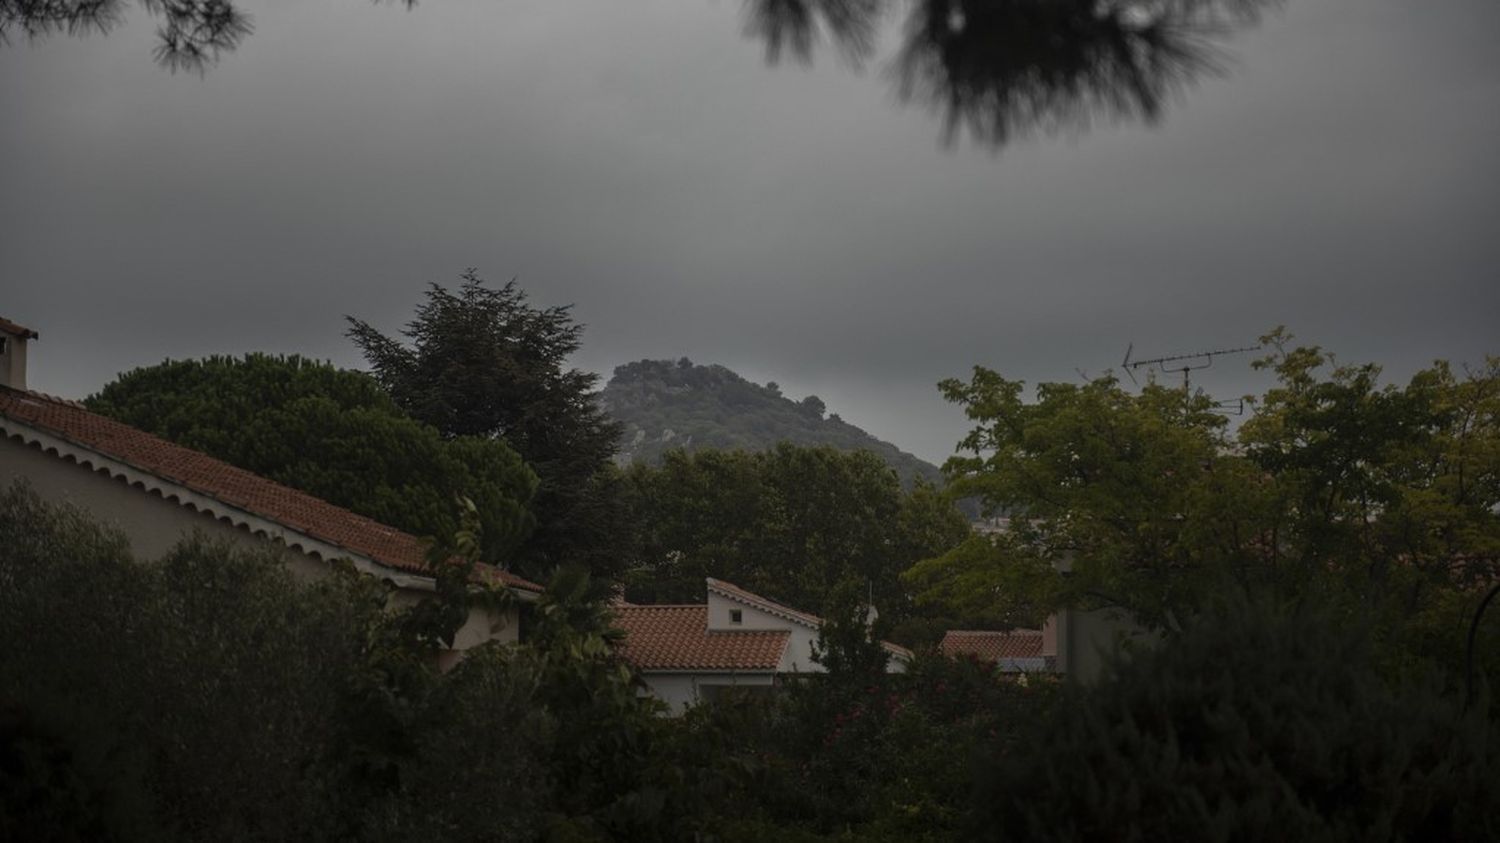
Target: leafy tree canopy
point(1267, 719)
point(1387, 492)
point(791, 523)
point(483, 363)
point(332, 433)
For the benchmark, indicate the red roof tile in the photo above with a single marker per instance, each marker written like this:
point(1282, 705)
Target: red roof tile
point(249, 492)
point(993, 646)
point(678, 638)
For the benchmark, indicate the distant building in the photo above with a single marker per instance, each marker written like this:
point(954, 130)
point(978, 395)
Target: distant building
point(157, 492)
point(1072, 642)
point(1016, 651)
point(688, 654)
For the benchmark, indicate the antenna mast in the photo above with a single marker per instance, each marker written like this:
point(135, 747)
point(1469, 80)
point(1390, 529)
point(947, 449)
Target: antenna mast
point(1188, 362)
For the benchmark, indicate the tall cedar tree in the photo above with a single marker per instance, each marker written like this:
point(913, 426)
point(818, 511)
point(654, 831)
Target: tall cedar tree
point(483, 362)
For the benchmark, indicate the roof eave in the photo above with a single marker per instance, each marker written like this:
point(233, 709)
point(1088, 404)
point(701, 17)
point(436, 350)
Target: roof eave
point(200, 500)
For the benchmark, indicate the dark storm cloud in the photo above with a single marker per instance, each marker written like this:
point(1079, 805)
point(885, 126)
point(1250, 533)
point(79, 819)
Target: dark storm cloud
point(796, 224)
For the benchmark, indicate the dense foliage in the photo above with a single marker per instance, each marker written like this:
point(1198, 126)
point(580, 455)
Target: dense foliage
point(889, 757)
point(791, 523)
point(663, 406)
point(484, 363)
point(1263, 720)
point(1383, 496)
point(332, 433)
point(208, 695)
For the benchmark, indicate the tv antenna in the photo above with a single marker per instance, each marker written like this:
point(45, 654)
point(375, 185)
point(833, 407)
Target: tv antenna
point(1185, 364)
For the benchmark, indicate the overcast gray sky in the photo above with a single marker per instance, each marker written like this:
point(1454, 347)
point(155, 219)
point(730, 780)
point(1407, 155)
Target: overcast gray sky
point(797, 224)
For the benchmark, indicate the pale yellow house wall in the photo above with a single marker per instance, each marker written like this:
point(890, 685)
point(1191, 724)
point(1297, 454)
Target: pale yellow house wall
point(153, 525)
point(13, 361)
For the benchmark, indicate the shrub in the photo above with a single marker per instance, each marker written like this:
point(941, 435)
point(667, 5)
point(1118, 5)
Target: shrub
point(1260, 721)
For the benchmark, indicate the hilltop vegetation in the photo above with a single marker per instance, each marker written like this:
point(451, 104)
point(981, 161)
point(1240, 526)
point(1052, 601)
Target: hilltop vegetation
point(664, 405)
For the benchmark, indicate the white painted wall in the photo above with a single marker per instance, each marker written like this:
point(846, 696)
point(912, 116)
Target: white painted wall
point(798, 655)
point(681, 691)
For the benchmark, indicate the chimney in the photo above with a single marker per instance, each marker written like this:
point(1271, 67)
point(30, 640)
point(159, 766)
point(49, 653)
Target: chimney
point(13, 339)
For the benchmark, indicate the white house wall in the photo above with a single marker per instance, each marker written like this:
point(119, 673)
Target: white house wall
point(681, 691)
point(798, 655)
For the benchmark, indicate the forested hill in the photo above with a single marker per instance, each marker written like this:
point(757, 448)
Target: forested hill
point(664, 404)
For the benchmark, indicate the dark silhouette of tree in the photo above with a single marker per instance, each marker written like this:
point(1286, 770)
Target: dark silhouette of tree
point(483, 362)
point(1005, 68)
point(191, 35)
point(997, 68)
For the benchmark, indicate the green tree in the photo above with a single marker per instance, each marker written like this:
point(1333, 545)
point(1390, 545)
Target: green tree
point(331, 433)
point(212, 695)
point(1385, 496)
point(848, 645)
point(1123, 487)
point(1377, 481)
point(791, 523)
point(1266, 720)
point(191, 698)
point(483, 363)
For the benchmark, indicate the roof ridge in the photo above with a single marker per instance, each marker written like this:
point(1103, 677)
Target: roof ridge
point(46, 396)
point(735, 592)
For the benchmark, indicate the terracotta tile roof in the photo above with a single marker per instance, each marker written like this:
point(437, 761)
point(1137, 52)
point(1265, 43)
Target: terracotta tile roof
point(734, 592)
point(992, 646)
point(659, 638)
point(10, 327)
point(200, 473)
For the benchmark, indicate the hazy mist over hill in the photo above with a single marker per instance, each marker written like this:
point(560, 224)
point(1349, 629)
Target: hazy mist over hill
point(665, 404)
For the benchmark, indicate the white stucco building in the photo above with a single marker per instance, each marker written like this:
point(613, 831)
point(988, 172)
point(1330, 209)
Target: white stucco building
point(688, 654)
